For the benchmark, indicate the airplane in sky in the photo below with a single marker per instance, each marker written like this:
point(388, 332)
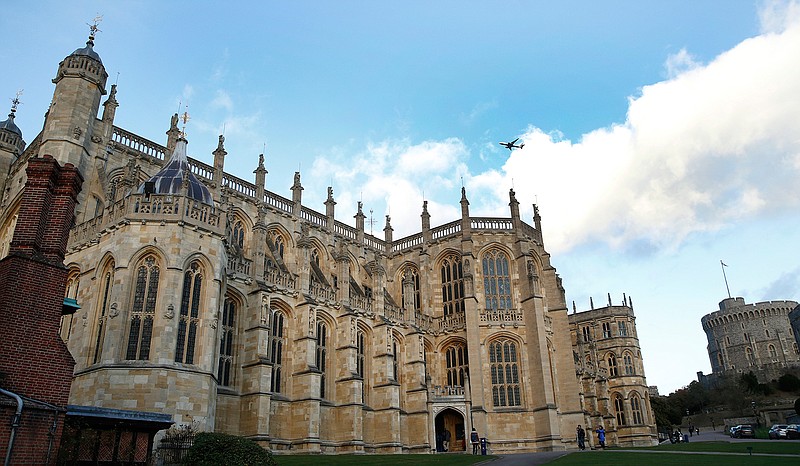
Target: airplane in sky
point(511, 145)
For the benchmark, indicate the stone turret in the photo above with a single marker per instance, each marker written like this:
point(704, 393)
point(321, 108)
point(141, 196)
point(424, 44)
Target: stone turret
point(70, 123)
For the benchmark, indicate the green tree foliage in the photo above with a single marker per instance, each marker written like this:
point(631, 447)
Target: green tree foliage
point(788, 383)
point(211, 449)
point(667, 414)
point(750, 383)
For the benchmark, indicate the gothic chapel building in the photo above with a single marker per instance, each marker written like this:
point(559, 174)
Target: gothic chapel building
point(238, 310)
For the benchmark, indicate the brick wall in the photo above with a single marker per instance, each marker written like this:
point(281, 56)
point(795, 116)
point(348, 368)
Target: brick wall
point(34, 361)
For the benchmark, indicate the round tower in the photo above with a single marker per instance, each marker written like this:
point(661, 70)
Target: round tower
point(11, 145)
point(71, 118)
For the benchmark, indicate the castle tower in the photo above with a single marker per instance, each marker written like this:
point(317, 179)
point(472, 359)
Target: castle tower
point(11, 145)
point(71, 120)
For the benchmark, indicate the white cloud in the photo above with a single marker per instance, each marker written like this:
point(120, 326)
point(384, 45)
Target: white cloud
point(222, 100)
point(776, 16)
point(680, 63)
point(714, 144)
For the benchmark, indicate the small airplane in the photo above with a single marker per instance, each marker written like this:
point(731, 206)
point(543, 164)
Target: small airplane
point(511, 145)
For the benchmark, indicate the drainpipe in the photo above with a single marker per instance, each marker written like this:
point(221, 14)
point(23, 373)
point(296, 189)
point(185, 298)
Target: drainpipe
point(14, 423)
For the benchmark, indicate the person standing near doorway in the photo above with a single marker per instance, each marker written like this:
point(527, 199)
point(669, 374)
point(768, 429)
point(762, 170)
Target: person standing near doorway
point(446, 442)
point(581, 437)
point(476, 440)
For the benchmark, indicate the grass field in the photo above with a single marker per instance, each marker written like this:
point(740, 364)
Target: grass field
point(666, 455)
point(380, 460)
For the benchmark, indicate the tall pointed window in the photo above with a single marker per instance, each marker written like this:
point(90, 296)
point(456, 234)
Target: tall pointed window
point(410, 283)
point(322, 357)
point(105, 305)
point(627, 361)
point(457, 364)
point(504, 369)
point(361, 363)
point(748, 352)
point(7, 234)
point(189, 320)
point(452, 285)
point(71, 291)
point(237, 234)
point(143, 310)
point(611, 359)
point(395, 360)
point(636, 409)
point(276, 344)
point(619, 409)
point(496, 280)
point(225, 371)
point(276, 246)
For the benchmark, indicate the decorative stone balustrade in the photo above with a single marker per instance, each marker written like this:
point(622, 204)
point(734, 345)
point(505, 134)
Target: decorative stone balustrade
point(501, 317)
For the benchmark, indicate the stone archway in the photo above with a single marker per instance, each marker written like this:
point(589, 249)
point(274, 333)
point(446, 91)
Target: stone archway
point(453, 421)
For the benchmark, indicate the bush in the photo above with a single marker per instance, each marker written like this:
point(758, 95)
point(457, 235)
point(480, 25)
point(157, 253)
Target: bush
point(788, 383)
point(211, 449)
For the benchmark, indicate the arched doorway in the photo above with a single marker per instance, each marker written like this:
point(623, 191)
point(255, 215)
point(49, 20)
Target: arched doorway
point(452, 421)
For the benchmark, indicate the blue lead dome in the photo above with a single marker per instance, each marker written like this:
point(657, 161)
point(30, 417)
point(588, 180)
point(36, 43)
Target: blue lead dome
point(170, 179)
point(9, 125)
point(88, 51)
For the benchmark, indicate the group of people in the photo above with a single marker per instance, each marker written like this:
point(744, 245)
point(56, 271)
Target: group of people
point(677, 436)
point(601, 437)
point(444, 436)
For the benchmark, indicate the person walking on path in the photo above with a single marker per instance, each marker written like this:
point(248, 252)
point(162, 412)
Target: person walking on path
point(476, 440)
point(581, 437)
point(601, 437)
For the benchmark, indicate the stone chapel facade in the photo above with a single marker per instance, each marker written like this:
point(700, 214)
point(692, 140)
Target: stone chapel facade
point(236, 309)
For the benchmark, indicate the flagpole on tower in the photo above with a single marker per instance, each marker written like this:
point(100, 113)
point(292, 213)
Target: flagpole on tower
point(723, 265)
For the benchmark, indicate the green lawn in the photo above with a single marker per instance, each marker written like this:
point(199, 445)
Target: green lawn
point(379, 460)
point(774, 447)
point(656, 457)
point(612, 458)
point(653, 456)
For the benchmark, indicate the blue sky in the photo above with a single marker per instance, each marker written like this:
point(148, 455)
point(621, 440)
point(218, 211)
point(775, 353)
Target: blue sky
point(661, 137)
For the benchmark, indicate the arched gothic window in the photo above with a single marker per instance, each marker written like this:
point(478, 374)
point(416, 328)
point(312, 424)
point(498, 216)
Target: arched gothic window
point(361, 363)
point(276, 344)
point(627, 361)
point(452, 285)
point(410, 291)
point(496, 280)
point(611, 359)
point(103, 309)
point(237, 234)
point(619, 409)
point(189, 320)
point(143, 310)
point(71, 291)
point(457, 362)
point(225, 371)
point(7, 234)
point(505, 373)
point(719, 359)
point(322, 356)
point(772, 353)
point(395, 360)
point(276, 246)
point(748, 353)
point(636, 409)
